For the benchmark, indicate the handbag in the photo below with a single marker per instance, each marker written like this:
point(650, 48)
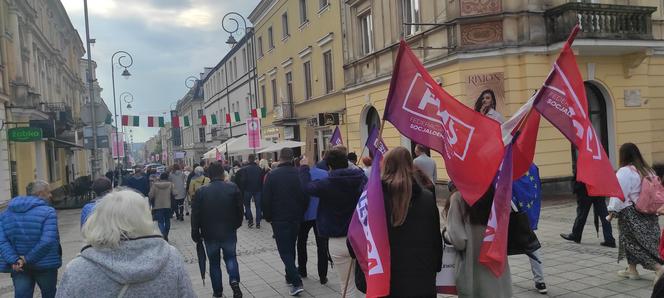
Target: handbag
point(446, 277)
point(520, 238)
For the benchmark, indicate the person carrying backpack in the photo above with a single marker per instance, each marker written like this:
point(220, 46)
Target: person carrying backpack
point(197, 181)
point(639, 231)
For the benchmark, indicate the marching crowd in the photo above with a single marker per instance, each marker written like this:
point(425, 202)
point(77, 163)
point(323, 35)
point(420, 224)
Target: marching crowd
point(128, 255)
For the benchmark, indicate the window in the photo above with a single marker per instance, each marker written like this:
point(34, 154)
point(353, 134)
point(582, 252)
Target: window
point(235, 67)
point(323, 3)
point(200, 114)
point(201, 134)
point(327, 64)
point(270, 38)
point(232, 107)
point(307, 80)
point(260, 46)
point(303, 12)
point(289, 87)
point(244, 61)
point(284, 25)
point(263, 99)
point(411, 14)
point(274, 91)
point(366, 33)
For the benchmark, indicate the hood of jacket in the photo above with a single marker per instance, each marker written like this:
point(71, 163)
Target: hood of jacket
point(350, 178)
point(134, 261)
point(22, 204)
point(162, 184)
point(200, 178)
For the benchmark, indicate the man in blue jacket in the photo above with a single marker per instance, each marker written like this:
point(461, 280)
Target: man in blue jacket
point(338, 194)
point(248, 179)
point(307, 224)
point(138, 181)
point(284, 204)
point(30, 242)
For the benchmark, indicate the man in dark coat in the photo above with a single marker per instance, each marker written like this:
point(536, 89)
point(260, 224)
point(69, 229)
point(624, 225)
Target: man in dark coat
point(249, 180)
point(284, 204)
point(216, 214)
point(138, 181)
point(338, 194)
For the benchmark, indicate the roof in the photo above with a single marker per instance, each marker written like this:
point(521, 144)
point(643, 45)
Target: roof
point(259, 12)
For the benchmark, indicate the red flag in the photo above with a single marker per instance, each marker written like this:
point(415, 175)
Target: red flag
point(203, 120)
point(150, 121)
point(175, 121)
point(228, 118)
point(493, 251)
point(428, 115)
point(524, 125)
point(562, 101)
point(125, 120)
point(254, 113)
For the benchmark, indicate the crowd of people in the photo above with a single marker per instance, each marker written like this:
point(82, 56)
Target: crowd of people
point(125, 229)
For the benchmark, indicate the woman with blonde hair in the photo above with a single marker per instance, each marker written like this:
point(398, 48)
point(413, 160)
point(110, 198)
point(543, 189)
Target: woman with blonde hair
point(413, 228)
point(125, 255)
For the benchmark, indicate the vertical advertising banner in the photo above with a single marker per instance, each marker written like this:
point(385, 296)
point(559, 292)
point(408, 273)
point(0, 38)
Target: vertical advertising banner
point(310, 149)
point(117, 145)
point(254, 133)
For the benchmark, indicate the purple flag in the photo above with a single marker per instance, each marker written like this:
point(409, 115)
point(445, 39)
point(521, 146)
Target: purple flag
point(336, 137)
point(367, 232)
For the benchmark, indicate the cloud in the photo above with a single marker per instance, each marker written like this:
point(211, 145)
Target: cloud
point(169, 40)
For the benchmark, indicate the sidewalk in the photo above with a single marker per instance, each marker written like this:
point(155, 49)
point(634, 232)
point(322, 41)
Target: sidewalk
point(571, 270)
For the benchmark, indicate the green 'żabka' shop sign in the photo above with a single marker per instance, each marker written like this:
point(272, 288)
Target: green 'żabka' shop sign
point(25, 134)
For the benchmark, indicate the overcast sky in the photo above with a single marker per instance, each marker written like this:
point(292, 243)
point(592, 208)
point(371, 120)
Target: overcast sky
point(168, 39)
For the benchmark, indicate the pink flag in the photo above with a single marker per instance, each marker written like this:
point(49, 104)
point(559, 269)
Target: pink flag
point(254, 133)
point(425, 113)
point(562, 101)
point(218, 155)
point(367, 232)
point(493, 252)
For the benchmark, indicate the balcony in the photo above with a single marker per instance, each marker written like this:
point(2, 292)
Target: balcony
point(61, 112)
point(599, 21)
point(283, 114)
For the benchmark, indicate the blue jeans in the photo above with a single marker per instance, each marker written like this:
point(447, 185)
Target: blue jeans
point(163, 217)
point(247, 206)
point(24, 282)
point(213, 248)
point(285, 234)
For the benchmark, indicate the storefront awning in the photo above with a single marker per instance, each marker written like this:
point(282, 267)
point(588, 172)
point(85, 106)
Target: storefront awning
point(281, 145)
point(64, 144)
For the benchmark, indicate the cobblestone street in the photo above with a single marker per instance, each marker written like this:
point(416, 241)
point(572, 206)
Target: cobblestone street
point(571, 270)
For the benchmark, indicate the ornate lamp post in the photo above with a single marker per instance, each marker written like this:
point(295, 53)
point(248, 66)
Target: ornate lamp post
point(121, 60)
point(127, 98)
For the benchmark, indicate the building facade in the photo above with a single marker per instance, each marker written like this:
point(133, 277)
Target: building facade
point(193, 142)
point(230, 92)
point(509, 46)
point(42, 51)
point(300, 69)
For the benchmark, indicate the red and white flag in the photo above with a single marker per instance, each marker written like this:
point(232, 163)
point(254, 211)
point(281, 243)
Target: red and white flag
point(562, 101)
point(425, 113)
point(524, 125)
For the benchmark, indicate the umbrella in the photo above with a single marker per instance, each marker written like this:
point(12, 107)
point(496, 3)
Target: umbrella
point(200, 252)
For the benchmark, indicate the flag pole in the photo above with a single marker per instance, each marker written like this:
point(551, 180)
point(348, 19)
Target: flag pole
point(350, 268)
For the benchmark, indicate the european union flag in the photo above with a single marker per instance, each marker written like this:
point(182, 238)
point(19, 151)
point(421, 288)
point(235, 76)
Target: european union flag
point(527, 194)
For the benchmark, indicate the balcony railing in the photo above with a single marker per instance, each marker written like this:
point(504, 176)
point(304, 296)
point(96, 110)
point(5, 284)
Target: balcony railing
point(283, 111)
point(599, 21)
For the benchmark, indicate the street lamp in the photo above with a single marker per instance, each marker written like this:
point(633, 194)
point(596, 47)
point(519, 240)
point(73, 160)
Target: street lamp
point(128, 98)
point(231, 25)
point(121, 61)
point(190, 81)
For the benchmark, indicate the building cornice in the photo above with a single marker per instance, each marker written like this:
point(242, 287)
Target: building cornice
point(261, 9)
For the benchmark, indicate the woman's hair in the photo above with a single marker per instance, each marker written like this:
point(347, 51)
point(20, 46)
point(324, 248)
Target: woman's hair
point(366, 161)
point(631, 155)
point(163, 176)
point(479, 213)
point(398, 175)
point(264, 164)
point(120, 215)
point(659, 170)
point(422, 178)
point(478, 102)
point(176, 167)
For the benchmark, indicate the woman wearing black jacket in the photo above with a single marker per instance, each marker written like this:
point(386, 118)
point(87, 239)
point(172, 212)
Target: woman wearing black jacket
point(413, 228)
